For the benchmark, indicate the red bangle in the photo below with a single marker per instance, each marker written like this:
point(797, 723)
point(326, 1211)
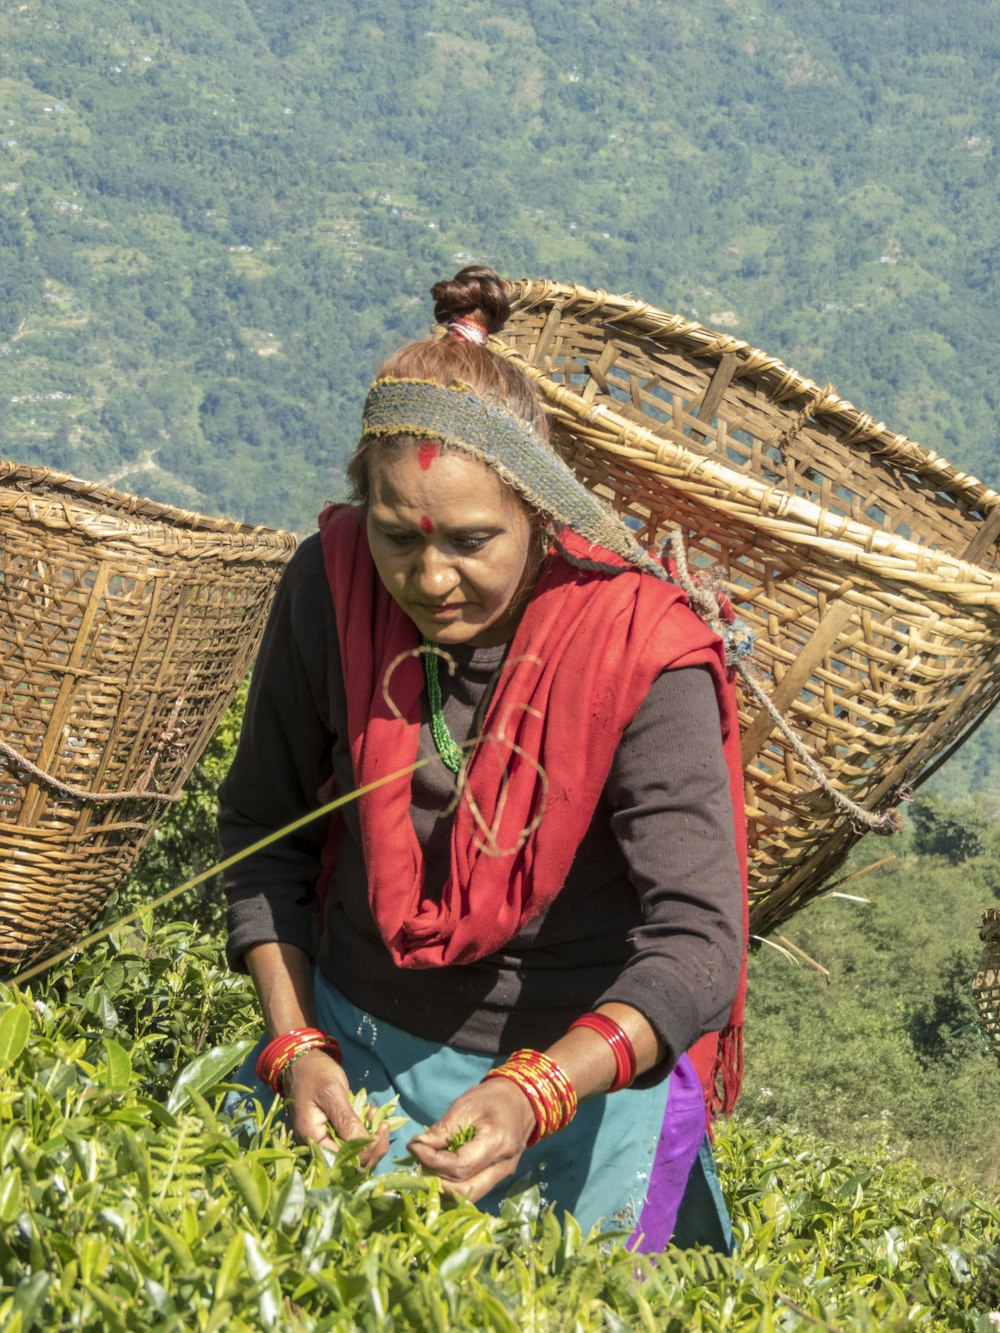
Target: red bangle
point(621, 1046)
point(277, 1055)
point(550, 1093)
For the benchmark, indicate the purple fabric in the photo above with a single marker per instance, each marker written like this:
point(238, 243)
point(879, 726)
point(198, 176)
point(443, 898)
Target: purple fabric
point(681, 1135)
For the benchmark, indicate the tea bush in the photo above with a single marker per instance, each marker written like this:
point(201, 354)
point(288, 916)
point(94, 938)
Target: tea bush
point(128, 1201)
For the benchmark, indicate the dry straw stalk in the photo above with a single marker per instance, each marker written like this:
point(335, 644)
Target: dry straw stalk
point(986, 985)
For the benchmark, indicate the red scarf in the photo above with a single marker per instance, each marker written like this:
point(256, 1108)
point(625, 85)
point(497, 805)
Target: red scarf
point(584, 655)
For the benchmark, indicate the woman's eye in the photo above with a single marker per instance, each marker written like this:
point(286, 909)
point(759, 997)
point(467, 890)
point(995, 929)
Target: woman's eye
point(398, 538)
point(470, 543)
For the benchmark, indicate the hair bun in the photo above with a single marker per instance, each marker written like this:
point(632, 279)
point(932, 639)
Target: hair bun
point(475, 292)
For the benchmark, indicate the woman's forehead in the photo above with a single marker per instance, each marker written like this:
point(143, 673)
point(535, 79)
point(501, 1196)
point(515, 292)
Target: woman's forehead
point(424, 471)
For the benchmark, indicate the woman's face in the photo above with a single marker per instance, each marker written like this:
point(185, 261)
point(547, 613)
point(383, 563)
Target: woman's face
point(451, 543)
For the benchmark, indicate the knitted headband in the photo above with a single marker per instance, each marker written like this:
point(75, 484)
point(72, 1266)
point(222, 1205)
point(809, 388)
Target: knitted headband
point(456, 416)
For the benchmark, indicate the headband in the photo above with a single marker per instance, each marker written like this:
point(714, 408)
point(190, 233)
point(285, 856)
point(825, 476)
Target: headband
point(456, 416)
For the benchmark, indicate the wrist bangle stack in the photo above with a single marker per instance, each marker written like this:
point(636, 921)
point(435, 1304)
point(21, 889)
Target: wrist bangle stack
point(621, 1046)
point(552, 1096)
point(277, 1055)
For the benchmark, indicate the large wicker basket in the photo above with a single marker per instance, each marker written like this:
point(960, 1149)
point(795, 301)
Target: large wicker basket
point(125, 629)
point(866, 566)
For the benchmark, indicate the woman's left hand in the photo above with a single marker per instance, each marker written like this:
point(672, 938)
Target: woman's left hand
point(503, 1121)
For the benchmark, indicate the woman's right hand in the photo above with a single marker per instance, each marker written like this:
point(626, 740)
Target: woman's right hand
point(314, 1085)
point(316, 1090)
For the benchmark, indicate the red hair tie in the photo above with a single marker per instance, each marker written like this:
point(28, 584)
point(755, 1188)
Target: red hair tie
point(468, 329)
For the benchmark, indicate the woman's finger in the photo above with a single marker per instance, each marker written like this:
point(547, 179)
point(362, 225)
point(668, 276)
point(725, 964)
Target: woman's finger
point(322, 1109)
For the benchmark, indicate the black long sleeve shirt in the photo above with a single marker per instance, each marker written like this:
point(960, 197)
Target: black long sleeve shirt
point(650, 913)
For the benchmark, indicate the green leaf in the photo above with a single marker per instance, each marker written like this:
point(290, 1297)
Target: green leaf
point(269, 1304)
point(253, 1185)
point(958, 1263)
point(258, 1264)
point(230, 1268)
point(157, 1112)
point(118, 1067)
point(207, 1069)
point(134, 1156)
point(15, 1028)
point(463, 1260)
point(157, 1296)
point(98, 1002)
point(10, 1194)
point(179, 1249)
point(289, 1201)
point(29, 1297)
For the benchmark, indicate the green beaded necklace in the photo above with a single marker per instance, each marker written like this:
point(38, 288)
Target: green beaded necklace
point(452, 755)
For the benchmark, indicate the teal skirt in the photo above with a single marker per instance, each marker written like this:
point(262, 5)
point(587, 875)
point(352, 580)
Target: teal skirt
point(638, 1161)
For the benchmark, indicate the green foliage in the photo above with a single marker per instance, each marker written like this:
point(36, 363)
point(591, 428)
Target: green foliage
point(887, 1048)
point(129, 1201)
point(945, 1029)
point(940, 829)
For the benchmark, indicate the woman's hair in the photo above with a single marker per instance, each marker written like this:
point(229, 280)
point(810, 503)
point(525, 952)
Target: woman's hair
point(497, 415)
point(478, 295)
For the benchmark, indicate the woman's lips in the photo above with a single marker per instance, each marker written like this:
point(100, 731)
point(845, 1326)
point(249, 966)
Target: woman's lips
point(442, 611)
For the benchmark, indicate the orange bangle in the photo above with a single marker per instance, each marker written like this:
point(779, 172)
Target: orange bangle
point(551, 1095)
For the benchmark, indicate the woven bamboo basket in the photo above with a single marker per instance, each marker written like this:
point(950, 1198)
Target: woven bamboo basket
point(866, 567)
point(986, 986)
point(126, 628)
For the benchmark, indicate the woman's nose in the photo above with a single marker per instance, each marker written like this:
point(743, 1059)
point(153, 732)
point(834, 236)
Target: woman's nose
point(435, 574)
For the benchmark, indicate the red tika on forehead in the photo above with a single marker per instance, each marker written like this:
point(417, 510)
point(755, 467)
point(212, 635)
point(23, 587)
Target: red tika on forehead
point(425, 524)
point(427, 452)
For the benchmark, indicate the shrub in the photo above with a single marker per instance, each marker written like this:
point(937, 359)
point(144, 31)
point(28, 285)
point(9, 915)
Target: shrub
point(127, 1202)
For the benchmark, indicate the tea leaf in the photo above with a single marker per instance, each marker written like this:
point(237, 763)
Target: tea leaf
point(118, 1069)
point(463, 1135)
point(10, 1194)
point(254, 1187)
point(207, 1069)
point(230, 1268)
point(15, 1028)
point(29, 1296)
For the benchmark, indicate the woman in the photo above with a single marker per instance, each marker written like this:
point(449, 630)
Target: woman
point(549, 907)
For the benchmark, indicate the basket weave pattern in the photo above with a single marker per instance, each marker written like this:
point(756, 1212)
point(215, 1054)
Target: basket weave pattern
point(866, 566)
point(125, 629)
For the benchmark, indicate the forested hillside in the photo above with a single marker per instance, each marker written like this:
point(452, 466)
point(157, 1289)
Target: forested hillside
point(213, 218)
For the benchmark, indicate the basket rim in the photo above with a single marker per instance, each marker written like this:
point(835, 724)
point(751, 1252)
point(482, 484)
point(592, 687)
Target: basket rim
point(135, 512)
point(884, 556)
point(785, 383)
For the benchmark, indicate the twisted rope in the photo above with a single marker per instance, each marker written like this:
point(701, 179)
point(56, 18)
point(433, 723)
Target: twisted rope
point(17, 760)
point(704, 596)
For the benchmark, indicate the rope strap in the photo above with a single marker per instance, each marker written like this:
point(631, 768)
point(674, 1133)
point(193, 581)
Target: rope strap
point(738, 638)
point(17, 760)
